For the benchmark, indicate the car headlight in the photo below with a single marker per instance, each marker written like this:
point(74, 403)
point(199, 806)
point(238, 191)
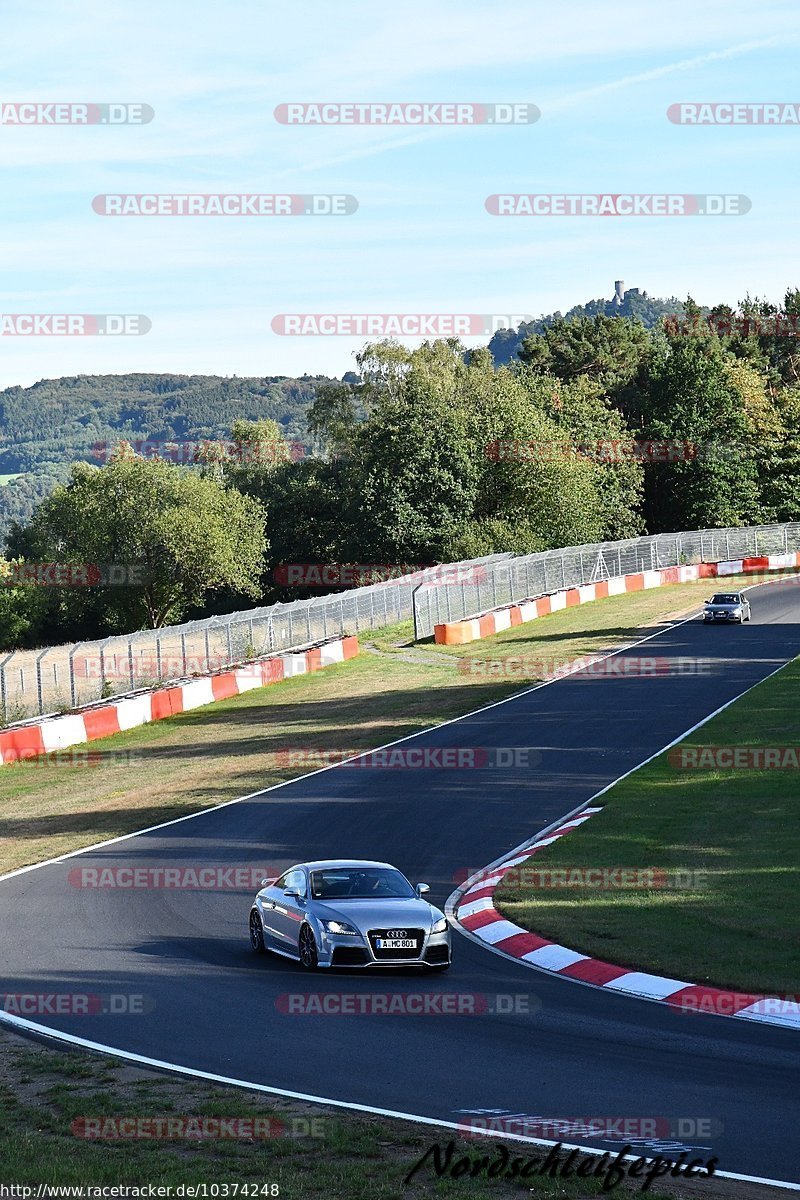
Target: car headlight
point(339, 927)
point(439, 926)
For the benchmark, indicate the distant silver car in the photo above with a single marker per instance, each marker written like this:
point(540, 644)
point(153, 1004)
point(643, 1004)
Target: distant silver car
point(342, 913)
point(726, 607)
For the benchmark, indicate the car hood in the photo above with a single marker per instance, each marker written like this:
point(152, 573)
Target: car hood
point(725, 607)
point(379, 914)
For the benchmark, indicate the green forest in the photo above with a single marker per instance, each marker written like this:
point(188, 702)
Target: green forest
point(419, 456)
point(44, 429)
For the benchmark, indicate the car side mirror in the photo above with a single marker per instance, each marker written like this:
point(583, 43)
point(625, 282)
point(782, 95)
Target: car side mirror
point(422, 889)
point(266, 882)
point(292, 893)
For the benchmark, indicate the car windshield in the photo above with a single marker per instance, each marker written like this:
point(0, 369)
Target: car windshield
point(726, 598)
point(360, 883)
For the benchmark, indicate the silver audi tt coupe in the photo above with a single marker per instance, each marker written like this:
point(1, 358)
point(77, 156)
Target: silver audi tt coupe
point(341, 913)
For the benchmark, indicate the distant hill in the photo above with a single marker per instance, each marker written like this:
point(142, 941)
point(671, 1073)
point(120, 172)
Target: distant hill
point(45, 428)
point(637, 305)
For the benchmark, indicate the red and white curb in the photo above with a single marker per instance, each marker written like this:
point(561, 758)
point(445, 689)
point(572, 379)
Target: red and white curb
point(475, 912)
point(102, 720)
point(475, 628)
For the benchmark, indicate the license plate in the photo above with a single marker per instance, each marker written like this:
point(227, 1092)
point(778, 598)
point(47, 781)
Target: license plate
point(395, 943)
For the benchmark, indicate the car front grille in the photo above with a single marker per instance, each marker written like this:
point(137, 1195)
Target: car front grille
point(384, 955)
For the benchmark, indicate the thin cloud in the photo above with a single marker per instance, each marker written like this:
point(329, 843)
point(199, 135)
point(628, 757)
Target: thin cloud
point(684, 64)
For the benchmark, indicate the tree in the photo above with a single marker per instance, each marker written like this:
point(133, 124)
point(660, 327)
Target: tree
point(21, 606)
point(607, 350)
point(693, 398)
point(598, 431)
point(176, 534)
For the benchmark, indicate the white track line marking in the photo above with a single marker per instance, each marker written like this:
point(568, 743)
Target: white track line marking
point(158, 1064)
point(22, 1023)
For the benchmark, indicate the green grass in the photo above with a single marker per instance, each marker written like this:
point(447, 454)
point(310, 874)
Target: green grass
point(231, 748)
point(734, 925)
point(317, 1153)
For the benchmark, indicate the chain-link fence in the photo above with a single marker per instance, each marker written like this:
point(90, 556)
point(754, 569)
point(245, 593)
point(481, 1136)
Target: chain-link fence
point(521, 578)
point(60, 678)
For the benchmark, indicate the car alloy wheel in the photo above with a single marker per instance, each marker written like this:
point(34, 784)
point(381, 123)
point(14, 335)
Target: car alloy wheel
point(308, 948)
point(256, 933)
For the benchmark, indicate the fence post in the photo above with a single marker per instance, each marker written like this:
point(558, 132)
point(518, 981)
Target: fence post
point(206, 639)
point(39, 691)
point(130, 663)
point(414, 591)
point(73, 690)
point(3, 689)
point(102, 667)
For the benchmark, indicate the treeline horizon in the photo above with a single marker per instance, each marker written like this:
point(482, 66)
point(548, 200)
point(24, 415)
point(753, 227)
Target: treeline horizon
point(409, 468)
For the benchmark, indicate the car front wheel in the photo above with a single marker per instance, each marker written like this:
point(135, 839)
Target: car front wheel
point(307, 946)
point(257, 932)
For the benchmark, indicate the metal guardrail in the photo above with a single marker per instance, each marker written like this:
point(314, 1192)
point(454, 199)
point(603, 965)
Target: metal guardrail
point(60, 678)
point(521, 578)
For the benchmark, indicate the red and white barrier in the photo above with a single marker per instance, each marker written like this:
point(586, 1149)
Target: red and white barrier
point(114, 716)
point(475, 911)
point(455, 633)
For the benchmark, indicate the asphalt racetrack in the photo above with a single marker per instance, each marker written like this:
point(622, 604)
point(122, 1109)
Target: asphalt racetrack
point(563, 1050)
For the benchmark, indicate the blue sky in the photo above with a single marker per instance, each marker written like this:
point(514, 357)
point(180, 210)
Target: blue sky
point(602, 74)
